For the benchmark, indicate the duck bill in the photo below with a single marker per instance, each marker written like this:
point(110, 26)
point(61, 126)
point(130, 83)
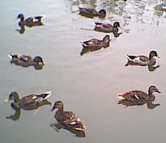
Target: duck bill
point(7, 100)
point(53, 108)
point(158, 57)
point(158, 91)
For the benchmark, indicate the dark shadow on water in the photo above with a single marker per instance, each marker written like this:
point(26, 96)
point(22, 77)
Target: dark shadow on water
point(17, 114)
point(57, 127)
point(150, 105)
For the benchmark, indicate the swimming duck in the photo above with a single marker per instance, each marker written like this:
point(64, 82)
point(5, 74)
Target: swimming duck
point(138, 96)
point(91, 13)
point(30, 21)
point(142, 60)
point(26, 61)
point(107, 28)
point(95, 44)
point(67, 118)
point(28, 102)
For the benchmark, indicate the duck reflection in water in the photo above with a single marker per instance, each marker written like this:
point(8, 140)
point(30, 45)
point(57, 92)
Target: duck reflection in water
point(142, 60)
point(29, 22)
point(67, 120)
point(29, 102)
point(26, 61)
point(137, 97)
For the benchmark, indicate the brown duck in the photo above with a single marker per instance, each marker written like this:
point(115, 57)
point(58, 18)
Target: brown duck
point(108, 28)
point(67, 118)
point(91, 13)
point(139, 96)
point(95, 44)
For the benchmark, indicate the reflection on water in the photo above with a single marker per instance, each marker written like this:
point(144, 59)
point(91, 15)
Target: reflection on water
point(151, 67)
point(57, 127)
point(150, 105)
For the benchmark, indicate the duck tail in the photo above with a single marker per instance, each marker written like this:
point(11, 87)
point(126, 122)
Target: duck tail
point(130, 57)
point(45, 95)
point(120, 96)
point(10, 56)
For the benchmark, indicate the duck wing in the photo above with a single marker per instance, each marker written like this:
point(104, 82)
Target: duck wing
point(92, 42)
point(134, 96)
point(25, 58)
point(29, 102)
point(88, 10)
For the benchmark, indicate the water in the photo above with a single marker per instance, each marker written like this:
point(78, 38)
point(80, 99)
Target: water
point(88, 85)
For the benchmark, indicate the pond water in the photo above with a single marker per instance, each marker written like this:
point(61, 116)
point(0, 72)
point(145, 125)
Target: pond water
point(88, 84)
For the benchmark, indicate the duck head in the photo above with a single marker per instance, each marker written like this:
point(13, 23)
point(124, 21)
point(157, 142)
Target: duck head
point(116, 24)
point(13, 96)
point(153, 89)
point(57, 105)
point(38, 60)
point(102, 13)
point(20, 16)
point(153, 54)
point(106, 41)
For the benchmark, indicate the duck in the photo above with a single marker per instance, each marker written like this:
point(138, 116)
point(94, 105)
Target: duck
point(91, 13)
point(95, 44)
point(28, 102)
point(30, 21)
point(26, 61)
point(67, 119)
point(142, 60)
point(139, 97)
point(107, 28)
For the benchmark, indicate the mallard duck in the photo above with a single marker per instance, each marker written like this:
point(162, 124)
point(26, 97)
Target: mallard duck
point(25, 60)
point(91, 13)
point(142, 60)
point(95, 44)
point(107, 28)
point(30, 21)
point(138, 96)
point(67, 118)
point(28, 102)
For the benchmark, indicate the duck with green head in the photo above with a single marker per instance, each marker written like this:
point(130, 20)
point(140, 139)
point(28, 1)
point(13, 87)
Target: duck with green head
point(30, 21)
point(29, 102)
point(26, 61)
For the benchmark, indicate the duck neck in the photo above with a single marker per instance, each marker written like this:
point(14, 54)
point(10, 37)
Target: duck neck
point(61, 109)
point(150, 93)
point(16, 99)
point(22, 18)
point(150, 57)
